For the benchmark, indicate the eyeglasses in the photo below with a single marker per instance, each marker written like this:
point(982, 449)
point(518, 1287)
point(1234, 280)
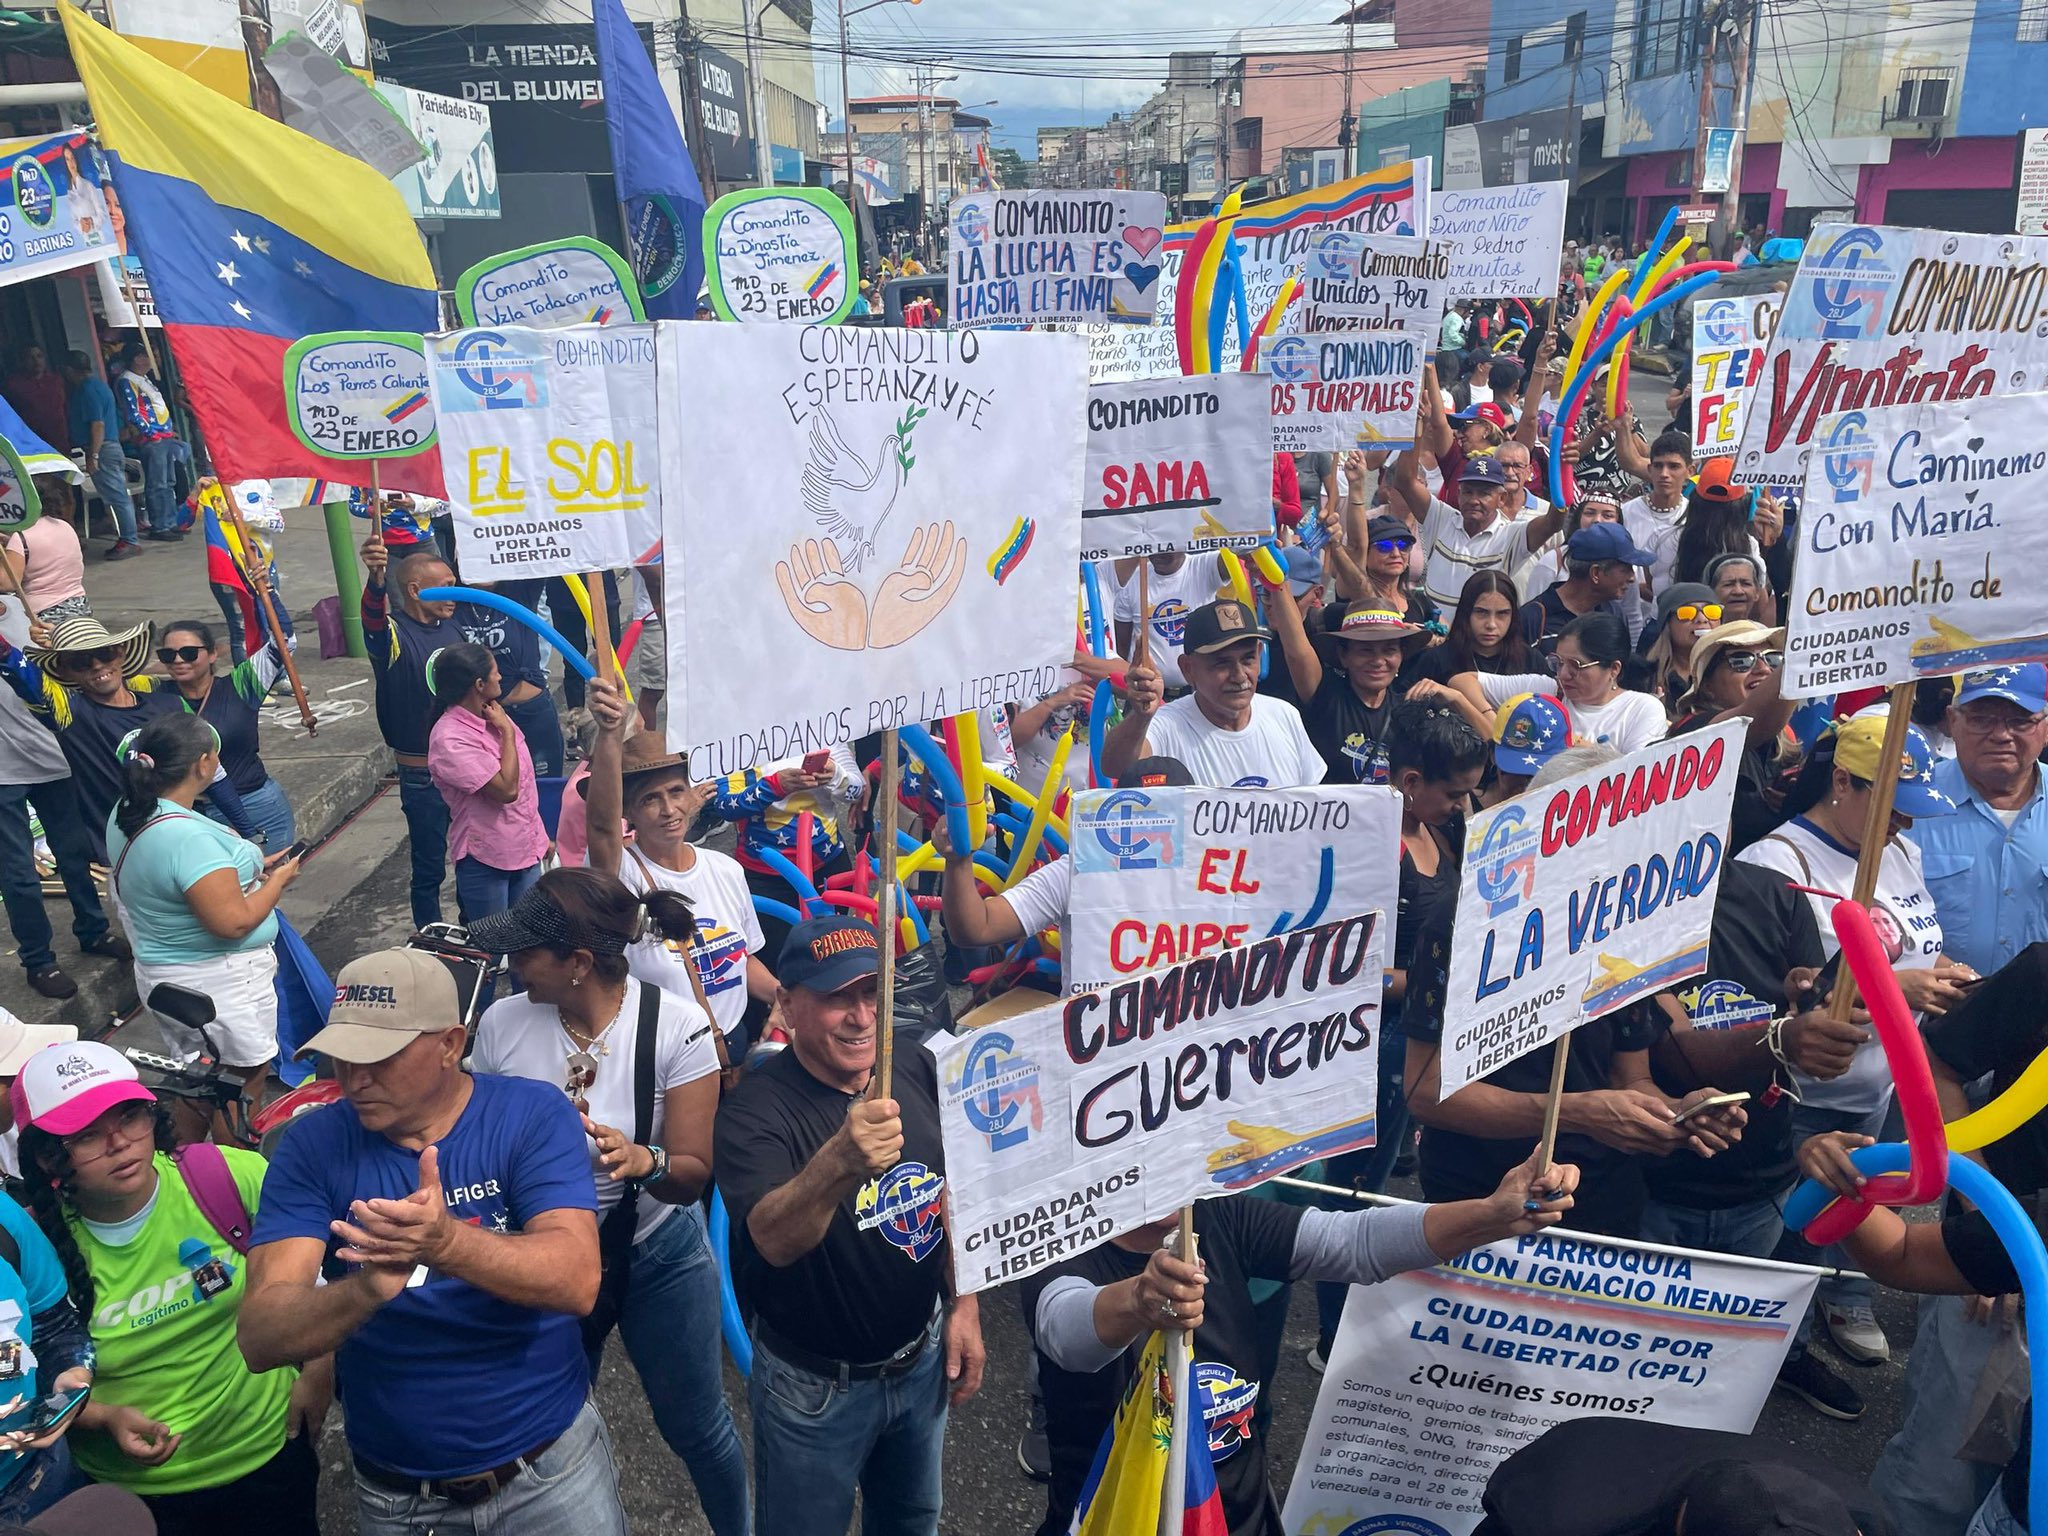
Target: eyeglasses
point(1392, 546)
point(1996, 722)
point(92, 1146)
point(1565, 663)
point(170, 653)
point(1741, 662)
point(1685, 613)
point(582, 1070)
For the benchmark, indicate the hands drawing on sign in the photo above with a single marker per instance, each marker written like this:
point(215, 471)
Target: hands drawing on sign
point(835, 611)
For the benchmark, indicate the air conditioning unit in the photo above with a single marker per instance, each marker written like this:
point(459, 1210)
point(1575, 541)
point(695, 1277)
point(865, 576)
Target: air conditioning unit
point(1922, 97)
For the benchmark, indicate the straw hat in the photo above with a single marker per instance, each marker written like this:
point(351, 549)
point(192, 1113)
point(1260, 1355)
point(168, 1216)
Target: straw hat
point(75, 636)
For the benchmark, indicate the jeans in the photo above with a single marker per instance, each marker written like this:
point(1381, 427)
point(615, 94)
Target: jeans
point(570, 1489)
point(670, 1327)
point(426, 825)
point(110, 478)
point(1749, 1231)
point(56, 804)
point(542, 728)
point(481, 889)
point(1925, 1489)
point(160, 460)
point(816, 1438)
point(1852, 1288)
point(279, 1498)
point(271, 809)
point(44, 1478)
point(1370, 1168)
point(1993, 1518)
point(231, 601)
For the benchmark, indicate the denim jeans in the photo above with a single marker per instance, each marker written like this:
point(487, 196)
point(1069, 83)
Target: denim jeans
point(56, 804)
point(570, 1489)
point(670, 1327)
point(542, 728)
point(110, 478)
point(426, 825)
point(817, 1438)
point(44, 1478)
point(230, 600)
point(1749, 1231)
point(1993, 1518)
point(1925, 1489)
point(271, 809)
point(160, 460)
point(1369, 1169)
point(1852, 1288)
point(481, 889)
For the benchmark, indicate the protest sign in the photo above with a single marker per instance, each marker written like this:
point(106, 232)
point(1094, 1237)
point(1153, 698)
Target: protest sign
point(20, 503)
point(571, 281)
point(1069, 1124)
point(866, 527)
point(1015, 257)
point(550, 447)
point(359, 394)
point(781, 253)
point(1577, 899)
point(1917, 532)
point(1729, 336)
point(53, 206)
point(1503, 242)
point(1120, 353)
point(1878, 316)
point(1161, 876)
point(1178, 464)
point(1439, 1375)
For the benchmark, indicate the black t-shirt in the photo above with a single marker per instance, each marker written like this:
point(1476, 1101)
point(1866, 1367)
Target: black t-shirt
point(516, 647)
point(2000, 1028)
point(1240, 1239)
point(1982, 1258)
point(1757, 801)
point(1351, 738)
point(1543, 619)
point(1439, 664)
point(1427, 901)
point(234, 720)
point(89, 740)
point(405, 704)
point(1762, 929)
point(870, 1287)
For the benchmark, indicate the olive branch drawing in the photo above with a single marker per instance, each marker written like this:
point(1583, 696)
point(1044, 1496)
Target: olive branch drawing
point(912, 415)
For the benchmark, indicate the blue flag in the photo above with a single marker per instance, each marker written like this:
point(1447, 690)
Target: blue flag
point(662, 199)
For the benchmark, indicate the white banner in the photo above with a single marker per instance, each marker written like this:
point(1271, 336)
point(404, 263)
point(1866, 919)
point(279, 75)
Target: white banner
point(1016, 257)
point(1072, 1123)
point(572, 281)
point(1917, 530)
point(781, 254)
point(1504, 242)
point(1729, 336)
point(1161, 876)
point(549, 446)
point(1178, 464)
point(1439, 1375)
point(866, 528)
point(1119, 354)
point(1577, 899)
point(2030, 213)
point(1878, 316)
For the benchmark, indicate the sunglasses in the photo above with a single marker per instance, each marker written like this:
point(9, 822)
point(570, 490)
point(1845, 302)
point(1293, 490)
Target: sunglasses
point(1740, 662)
point(170, 653)
point(1565, 663)
point(1392, 546)
point(1687, 612)
point(85, 660)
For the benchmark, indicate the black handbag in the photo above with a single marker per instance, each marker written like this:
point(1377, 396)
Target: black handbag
point(615, 1234)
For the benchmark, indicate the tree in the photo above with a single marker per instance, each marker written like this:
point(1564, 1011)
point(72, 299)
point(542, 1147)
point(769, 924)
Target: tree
point(1011, 169)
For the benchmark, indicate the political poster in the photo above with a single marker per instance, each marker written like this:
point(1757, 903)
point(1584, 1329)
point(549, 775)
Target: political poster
point(1917, 531)
point(550, 446)
point(1879, 316)
point(572, 281)
point(1355, 380)
point(1503, 242)
point(1580, 898)
point(359, 394)
point(1178, 464)
point(1439, 1375)
point(1069, 1124)
point(333, 104)
point(53, 211)
point(1729, 336)
point(1163, 876)
point(1016, 257)
point(781, 253)
point(2030, 213)
point(459, 177)
point(894, 541)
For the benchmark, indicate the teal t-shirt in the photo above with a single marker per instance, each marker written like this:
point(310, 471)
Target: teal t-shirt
point(35, 1285)
point(171, 855)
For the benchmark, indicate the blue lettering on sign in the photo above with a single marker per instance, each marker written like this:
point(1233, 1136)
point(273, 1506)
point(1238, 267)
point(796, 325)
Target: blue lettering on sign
point(1133, 833)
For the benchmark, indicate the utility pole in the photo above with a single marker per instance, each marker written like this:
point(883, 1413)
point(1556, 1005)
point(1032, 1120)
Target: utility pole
point(1710, 40)
point(757, 95)
point(693, 107)
point(1347, 138)
point(1729, 221)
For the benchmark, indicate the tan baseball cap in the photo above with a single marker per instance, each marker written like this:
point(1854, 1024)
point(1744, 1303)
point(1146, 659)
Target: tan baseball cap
point(382, 1003)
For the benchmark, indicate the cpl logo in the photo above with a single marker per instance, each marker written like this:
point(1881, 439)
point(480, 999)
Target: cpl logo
point(1721, 323)
point(1396, 1524)
point(906, 1205)
point(1849, 456)
point(1292, 360)
point(1336, 256)
point(496, 378)
point(970, 224)
point(1726, 1005)
point(1227, 1402)
point(1505, 861)
point(999, 1091)
point(1850, 282)
point(721, 956)
point(34, 193)
point(1133, 834)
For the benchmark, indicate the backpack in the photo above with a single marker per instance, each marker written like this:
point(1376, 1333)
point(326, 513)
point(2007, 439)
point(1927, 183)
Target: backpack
point(212, 1187)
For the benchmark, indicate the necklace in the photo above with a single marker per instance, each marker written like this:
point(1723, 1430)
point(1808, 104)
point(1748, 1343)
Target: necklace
point(594, 1044)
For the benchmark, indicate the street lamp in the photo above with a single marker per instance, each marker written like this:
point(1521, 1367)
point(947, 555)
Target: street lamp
point(846, 89)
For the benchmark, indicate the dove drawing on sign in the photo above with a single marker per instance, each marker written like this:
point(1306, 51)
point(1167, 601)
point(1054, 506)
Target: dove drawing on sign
point(850, 500)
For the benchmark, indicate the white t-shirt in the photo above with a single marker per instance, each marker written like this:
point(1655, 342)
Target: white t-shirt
point(1272, 751)
point(1455, 556)
point(1034, 752)
point(1039, 900)
point(1905, 918)
point(728, 931)
point(1628, 722)
point(1654, 530)
point(1172, 598)
point(521, 1038)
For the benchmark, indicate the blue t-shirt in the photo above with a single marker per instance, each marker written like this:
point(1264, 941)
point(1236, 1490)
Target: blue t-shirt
point(446, 1380)
point(36, 1286)
point(170, 856)
point(516, 647)
point(92, 402)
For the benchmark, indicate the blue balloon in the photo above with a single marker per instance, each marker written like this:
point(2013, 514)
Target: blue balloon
point(519, 614)
point(807, 893)
point(940, 767)
point(730, 1323)
point(1098, 627)
point(1098, 728)
point(782, 912)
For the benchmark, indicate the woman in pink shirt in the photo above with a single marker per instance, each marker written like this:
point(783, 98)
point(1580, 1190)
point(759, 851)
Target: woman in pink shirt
point(480, 764)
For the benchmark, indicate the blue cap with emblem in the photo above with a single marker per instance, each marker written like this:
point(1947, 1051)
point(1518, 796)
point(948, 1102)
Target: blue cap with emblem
point(2026, 686)
point(1528, 732)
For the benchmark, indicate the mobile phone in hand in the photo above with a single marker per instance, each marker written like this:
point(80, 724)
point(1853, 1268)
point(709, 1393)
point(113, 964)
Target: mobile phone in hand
point(51, 1411)
point(817, 762)
point(1717, 1101)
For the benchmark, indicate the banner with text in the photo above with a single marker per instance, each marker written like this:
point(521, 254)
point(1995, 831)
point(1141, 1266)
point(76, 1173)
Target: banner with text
point(781, 253)
point(1729, 337)
point(1503, 242)
point(1072, 1123)
point(1016, 257)
point(1178, 464)
point(550, 447)
point(851, 569)
point(359, 394)
point(53, 206)
point(1118, 354)
point(1439, 1375)
point(572, 281)
point(1917, 530)
point(1578, 899)
point(1879, 316)
point(1161, 876)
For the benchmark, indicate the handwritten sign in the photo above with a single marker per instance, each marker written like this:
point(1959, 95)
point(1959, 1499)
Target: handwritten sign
point(550, 446)
point(1121, 353)
point(781, 253)
point(1070, 1124)
point(1729, 336)
point(1015, 257)
point(572, 281)
point(1503, 242)
point(1878, 316)
point(20, 503)
point(1580, 898)
point(849, 569)
point(359, 394)
point(1178, 464)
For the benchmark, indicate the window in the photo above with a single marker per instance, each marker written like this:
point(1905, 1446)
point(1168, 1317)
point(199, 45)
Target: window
point(1511, 65)
point(1667, 37)
point(1575, 37)
point(2033, 21)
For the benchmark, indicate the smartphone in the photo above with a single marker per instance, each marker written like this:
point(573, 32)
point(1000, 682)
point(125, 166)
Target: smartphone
point(1965, 985)
point(817, 762)
point(1718, 1101)
point(1823, 983)
point(297, 850)
point(51, 1411)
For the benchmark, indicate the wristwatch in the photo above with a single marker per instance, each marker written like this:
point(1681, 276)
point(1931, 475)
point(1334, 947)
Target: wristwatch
point(658, 1172)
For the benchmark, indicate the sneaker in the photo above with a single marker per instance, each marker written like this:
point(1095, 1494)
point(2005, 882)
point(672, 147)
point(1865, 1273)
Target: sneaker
point(109, 946)
point(51, 982)
point(1318, 1356)
point(159, 536)
point(1856, 1334)
point(1808, 1378)
point(1034, 1456)
point(123, 549)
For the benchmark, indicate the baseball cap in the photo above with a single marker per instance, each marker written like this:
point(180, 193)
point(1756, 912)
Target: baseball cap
point(1219, 625)
point(1605, 541)
point(1716, 482)
point(1528, 731)
point(1303, 569)
point(1483, 468)
point(2026, 686)
point(64, 1088)
point(1759, 1498)
point(1486, 410)
point(1736, 635)
point(823, 954)
point(383, 1002)
point(1859, 748)
point(20, 1040)
point(1388, 526)
point(1155, 773)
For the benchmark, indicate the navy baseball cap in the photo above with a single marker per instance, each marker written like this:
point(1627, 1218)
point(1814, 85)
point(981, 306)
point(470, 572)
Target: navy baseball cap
point(1388, 526)
point(1483, 468)
point(2026, 686)
point(824, 954)
point(1304, 568)
point(1605, 541)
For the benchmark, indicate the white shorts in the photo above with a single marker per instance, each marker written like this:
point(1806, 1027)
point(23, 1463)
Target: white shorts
point(244, 1027)
point(648, 667)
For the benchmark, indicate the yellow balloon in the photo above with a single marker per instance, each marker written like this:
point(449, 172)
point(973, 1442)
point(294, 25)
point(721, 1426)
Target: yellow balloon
point(581, 593)
point(1589, 326)
point(1048, 792)
point(973, 774)
point(2005, 1114)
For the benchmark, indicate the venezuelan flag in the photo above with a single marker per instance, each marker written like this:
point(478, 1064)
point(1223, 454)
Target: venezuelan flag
point(1125, 1487)
point(822, 279)
point(253, 235)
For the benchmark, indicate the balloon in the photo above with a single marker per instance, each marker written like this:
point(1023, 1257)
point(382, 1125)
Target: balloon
point(1644, 270)
point(1589, 323)
point(629, 642)
point(581, 593)
point(1267, 560)
point(806, 829)
point(1270, 321)
point(730, 1323)
point(2005, 1114)
point(1098, 729)
point(767, 906)
point(920, 742)
point(1233, 575)
point(518, 614)
point(1034, 834)
point(973, 771)
point(1098, 625)
point(1191, 297)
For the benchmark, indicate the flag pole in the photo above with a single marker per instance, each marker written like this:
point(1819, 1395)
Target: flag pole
point(1876, 824)
point(1180, 1347)
point(885, 961)
point(1553, 1104)
point(376, 506)
point(252, 561)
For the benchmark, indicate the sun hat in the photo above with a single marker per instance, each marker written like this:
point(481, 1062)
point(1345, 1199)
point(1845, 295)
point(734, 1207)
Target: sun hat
point(78, 634)
point(1735, 635)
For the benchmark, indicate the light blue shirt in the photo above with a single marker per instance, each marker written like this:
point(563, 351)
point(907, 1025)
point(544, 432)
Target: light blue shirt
point(1990, 883)
point(172, 854)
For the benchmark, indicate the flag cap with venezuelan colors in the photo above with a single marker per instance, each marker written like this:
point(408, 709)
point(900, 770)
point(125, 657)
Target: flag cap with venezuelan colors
point(253, 235)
